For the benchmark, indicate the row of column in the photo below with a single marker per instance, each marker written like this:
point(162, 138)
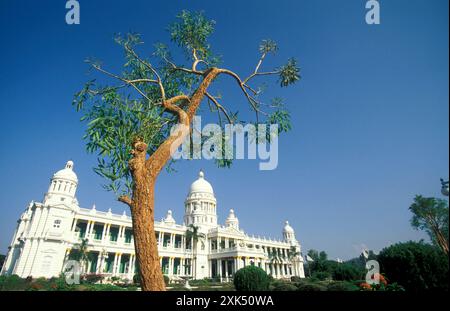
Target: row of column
point(280, 251)
point(172, 240)
point(219, 242)
point(276, 269)
point(182, 266)
point(105, 232)
point(116, 264)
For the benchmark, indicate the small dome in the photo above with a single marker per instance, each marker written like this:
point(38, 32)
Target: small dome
point(67, 173)
point(231, 216)
point(232, 220)
point(169, 218)
point(201, 185)
point(287, 228)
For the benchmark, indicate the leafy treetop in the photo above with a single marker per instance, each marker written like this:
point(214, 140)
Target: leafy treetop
point(152, 94)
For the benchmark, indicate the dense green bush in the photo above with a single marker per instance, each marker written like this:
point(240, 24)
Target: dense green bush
point(321, 275)
point(200, 282)
point(307, 286)
point(251, 278)
point(347, 272)
point(283, 286)
point(13, 282)
point(342, 287)
point(415, 266)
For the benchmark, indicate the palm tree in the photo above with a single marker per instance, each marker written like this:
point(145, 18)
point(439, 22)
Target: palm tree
point(194, 235)
point(81, 253)
point(293, 255)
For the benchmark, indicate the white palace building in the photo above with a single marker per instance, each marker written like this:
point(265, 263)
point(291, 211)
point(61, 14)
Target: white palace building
point(48, 231)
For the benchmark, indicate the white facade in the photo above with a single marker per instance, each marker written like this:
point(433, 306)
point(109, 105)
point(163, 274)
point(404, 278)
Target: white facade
point(48, 231)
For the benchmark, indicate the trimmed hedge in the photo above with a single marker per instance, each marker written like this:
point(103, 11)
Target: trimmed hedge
point(251, 278)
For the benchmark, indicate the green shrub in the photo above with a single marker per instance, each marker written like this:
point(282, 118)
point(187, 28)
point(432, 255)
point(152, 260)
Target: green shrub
point(347, 272)
point(100, 287)
point(415, 266)
point(201, 282)
point(394, 287)
point(13, 282)
point(283, 286)
point(307, 286)
point(342, 287)
point(251, 278)
point(296, 279)
point(321, 275)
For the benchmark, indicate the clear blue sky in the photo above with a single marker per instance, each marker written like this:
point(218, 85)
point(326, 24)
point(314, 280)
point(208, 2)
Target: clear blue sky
point(370, 114)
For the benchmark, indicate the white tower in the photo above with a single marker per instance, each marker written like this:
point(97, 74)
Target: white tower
point(169, 220)
point(63, 186)
point(232, 220)
point(288, 233)
point(200, 204)
point(297, 261)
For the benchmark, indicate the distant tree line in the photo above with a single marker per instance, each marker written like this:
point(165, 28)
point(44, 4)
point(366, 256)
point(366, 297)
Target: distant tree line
point(415, 266)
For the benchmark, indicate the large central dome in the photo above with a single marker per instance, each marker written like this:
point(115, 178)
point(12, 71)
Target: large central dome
point(67, 173)
point(201, 185)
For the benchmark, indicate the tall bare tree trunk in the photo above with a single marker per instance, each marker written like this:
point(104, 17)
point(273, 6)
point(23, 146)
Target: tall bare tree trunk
point(143, 216)
point(144, 172)
point(442, 241)
point(145, 242)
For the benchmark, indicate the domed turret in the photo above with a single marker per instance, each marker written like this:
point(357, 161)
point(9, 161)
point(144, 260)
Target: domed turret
point(200, 204)
point(63, 185)
point(232, 220)
point(169, 218)
point(288, 233)
point(201, 185)
point(67, 173)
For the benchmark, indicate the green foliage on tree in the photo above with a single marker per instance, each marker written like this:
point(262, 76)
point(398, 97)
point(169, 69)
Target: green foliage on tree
point(321, 268)
point(415, 266)
point(431, 215)
point(347, 272)
point(193, 235)
point(138, 115)
point(251, 278)
point(81, 253)
point(342, 287)
point(118, 113)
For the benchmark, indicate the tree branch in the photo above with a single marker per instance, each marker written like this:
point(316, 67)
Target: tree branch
point(219, 106)
point(125, 199)
point(242, 86)
point(149, 66)
point(129, 82)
